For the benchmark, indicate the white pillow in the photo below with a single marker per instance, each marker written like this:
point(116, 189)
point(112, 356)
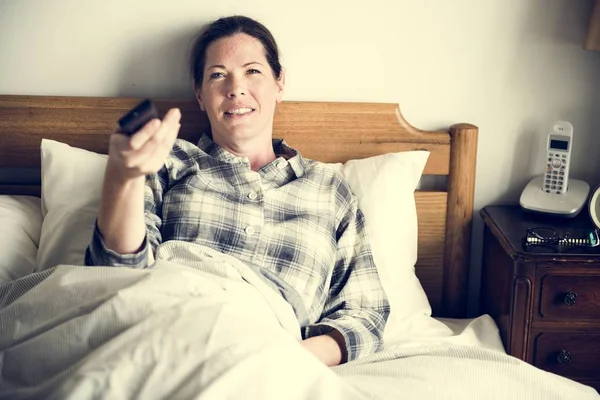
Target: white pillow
point(20, 227)
point(71, 188)
point(384, 186)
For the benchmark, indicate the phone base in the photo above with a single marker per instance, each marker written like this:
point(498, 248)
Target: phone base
point(567, 205)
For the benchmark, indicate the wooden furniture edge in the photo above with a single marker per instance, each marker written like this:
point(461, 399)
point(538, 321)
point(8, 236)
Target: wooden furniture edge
point(459, 217)
point(366, 129)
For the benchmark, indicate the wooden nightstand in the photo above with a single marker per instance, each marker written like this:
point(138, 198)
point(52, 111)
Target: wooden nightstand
point(546, 304)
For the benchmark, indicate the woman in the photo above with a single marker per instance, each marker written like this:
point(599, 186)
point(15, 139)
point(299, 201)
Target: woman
point(295, 221)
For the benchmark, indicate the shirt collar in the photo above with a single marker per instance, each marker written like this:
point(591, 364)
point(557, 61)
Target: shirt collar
point(287, 157)
point(294, 158)
point(214, 150)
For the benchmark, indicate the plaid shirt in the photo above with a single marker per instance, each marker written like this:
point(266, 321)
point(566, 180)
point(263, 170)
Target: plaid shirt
point(295, 221)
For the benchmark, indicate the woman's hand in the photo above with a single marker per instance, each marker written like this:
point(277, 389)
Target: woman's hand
point(146, 151)
point(328, 348)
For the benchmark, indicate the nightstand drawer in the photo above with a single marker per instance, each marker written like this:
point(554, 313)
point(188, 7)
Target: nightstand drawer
point(574, 355)
point(570, 297)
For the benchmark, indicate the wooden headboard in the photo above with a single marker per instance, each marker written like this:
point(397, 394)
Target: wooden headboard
point(328, 132)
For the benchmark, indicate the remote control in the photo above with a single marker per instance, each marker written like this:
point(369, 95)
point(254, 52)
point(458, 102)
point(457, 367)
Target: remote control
point(137, 117)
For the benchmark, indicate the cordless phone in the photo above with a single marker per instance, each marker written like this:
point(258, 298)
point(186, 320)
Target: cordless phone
point(558, 158)
point(555, 192)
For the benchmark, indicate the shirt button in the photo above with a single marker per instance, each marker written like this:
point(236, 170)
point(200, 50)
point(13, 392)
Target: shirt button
point(252, 195)
point(249, 230)
point(281, 164)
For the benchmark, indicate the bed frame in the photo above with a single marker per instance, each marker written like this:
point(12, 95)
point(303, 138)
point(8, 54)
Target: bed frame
point(329, 132)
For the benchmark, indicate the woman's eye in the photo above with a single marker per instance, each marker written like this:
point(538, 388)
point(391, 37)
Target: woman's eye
point(253, 71)
point(216, 75)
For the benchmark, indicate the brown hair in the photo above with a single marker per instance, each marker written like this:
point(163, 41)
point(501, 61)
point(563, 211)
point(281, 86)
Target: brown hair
point(229, 26)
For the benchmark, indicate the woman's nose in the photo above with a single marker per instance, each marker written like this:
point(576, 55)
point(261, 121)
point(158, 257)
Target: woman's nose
point(235, 88)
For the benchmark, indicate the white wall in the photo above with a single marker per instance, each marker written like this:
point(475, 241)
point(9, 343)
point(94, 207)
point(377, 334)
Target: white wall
point(509, 66)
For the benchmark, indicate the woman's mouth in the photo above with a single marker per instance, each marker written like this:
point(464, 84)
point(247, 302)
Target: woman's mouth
point(239, 111)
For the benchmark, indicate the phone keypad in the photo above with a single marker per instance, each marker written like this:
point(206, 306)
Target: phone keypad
point(555, 172)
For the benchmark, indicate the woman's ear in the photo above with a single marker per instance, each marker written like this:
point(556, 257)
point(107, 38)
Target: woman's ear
point(280, 85)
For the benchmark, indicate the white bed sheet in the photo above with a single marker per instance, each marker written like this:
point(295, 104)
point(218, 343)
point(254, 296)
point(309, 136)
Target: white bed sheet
point(479, 332)
point(125, 333)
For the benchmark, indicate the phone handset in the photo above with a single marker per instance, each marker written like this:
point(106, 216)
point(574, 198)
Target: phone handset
point(558, 158)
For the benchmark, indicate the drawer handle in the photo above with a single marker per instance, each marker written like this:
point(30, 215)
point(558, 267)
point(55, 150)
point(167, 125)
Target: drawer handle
point(570, 298)
point(564, 357)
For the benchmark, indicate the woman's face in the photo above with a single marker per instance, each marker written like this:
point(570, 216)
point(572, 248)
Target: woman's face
point(239, 92)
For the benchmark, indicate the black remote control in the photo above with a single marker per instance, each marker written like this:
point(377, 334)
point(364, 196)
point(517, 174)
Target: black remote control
point(137, 117)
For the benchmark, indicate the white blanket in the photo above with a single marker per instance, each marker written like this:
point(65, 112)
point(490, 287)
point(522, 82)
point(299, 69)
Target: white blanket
point(203, 325)
point(453, 371)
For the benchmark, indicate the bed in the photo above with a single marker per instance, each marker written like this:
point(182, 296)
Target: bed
point(421, 241)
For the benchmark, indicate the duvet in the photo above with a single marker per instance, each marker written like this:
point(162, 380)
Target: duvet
point(202, 325)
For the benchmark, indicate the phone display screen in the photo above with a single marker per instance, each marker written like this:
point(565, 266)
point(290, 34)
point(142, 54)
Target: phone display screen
point(559, 144)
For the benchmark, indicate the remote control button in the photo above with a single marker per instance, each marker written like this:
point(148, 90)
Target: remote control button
point(553, 187)
point(550, 154)
point(560, 173)
point(558, 192)
point(556, 163)
point(546, 186)
point(547, 191)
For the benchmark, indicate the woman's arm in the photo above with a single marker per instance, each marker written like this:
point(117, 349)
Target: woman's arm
point(121, 220)
point(121, 216)
point(356, 307)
